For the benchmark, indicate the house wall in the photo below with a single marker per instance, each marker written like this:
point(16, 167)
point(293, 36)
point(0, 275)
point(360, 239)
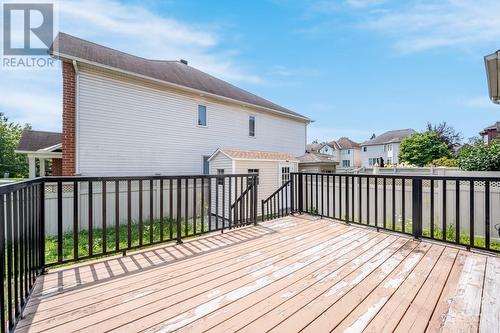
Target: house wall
point(269, 176)
point(352, 155)
point(128, 126)
point(69, 119)
point(376, 151)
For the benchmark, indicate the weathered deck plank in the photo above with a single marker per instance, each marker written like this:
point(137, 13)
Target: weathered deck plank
point(286, 275)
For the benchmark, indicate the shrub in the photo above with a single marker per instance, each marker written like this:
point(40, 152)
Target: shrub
point(423, 148)
point(445, 162)
point(478, 156)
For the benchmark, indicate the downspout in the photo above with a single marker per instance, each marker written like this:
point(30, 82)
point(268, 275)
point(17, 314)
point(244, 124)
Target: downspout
point(77, 98)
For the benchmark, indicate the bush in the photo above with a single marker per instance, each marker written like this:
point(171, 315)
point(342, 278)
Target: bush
point(423, 148)
point(478, 156)
point(445, 162)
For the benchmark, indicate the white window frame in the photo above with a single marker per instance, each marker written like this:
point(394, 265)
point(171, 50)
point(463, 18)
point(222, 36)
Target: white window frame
point(198, 115)
point(254, 126)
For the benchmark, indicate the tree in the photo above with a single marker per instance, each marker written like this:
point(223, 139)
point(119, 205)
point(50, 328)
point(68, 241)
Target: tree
point(422, 148)
point(446, 134)
point(478, 156)
point(445, 162)
point(10, 134)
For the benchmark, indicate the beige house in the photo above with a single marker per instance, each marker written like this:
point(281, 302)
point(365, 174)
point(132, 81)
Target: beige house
point(273, 168)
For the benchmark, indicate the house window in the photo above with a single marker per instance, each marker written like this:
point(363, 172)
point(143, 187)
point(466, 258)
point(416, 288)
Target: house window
point(202, 115)
point(206, 165)
point(373, 161)
point(251, 126)
point(388, 147)
point(346, 163)
point(285, 175)
point(256, 171)
point(364, 148)
point(220, 180)
point(348, 152)
point(389, 160)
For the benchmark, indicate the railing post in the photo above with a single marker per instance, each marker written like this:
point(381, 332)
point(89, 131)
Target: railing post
point(179, 208)
point(416, 207)
point(300, 192)
point(256, 198)
point(42, 226)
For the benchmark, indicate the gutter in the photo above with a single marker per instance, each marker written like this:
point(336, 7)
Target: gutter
point(177, 86)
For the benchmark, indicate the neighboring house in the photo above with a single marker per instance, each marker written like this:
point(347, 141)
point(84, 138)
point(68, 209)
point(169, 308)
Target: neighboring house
point(313, 162)
point(384, 147)
point(42, 146)
point(126, 115)
point(347, 152)
point(491, 132)
point(272, 168)
point(315, 147)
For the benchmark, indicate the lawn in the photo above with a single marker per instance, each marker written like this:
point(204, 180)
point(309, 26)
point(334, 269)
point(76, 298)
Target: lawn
point(97, 244)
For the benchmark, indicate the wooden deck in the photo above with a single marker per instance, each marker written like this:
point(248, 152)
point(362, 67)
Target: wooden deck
point(286, 275)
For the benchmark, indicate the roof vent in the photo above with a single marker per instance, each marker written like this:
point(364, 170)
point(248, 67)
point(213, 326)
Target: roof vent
point(185, 62)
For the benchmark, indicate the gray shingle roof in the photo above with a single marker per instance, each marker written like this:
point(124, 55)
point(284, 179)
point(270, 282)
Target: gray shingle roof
point(390, 137)
point(36, 140)
point(314, 147)
point(176, 72)
point(346, 143)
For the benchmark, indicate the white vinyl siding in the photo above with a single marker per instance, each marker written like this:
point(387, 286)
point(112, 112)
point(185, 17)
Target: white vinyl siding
point(129, 126)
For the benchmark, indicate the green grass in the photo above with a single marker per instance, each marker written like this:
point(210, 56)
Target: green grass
point(97, 234)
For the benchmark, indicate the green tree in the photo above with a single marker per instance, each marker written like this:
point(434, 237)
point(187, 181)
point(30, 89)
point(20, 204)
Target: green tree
point(445, 162)
point(422, 148)
point(478, 156)
point(10, 133)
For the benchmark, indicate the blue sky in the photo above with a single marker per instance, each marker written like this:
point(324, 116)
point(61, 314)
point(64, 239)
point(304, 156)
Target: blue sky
point(356, 67)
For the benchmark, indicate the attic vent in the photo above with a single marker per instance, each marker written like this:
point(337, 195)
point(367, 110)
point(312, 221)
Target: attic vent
point(185, 62)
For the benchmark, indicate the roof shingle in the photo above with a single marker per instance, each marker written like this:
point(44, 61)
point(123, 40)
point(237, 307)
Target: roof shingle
point(257, 155)
point(176, 72)
point(36, 140)
point(390, 137)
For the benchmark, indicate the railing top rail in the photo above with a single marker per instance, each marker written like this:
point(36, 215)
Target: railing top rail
point(401, 176)
point(279, 189)
point(52, 179)
point(7, 188)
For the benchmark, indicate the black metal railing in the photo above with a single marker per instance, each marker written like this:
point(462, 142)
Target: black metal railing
point(56, 220)
point(279, 203)
point(459, 210)
point(244, 208)
point(21, 239)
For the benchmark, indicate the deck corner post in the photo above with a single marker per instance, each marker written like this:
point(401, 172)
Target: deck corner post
point(416, 207)
point(255, 198)
point(42, 227)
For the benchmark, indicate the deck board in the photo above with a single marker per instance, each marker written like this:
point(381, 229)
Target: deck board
point(286, 275)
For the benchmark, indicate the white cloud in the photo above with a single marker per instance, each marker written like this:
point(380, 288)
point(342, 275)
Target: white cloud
point(34, 96)
point(323, 134)
point(364, 3)
point(479, 102)
point(429, 24)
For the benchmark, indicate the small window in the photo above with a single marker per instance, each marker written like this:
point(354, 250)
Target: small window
point(348, 152)
point(251, 126)
point(364, 148)
point(285, 175)
point(206, 165)
point(389, 160)
point(346, 163)
point(256, 171)
point(202, 115)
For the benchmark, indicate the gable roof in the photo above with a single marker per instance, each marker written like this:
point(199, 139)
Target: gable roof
point(346, 143)
point(390, 137)
point(495, 126)
point(314, 158)
point(254, 155)
point(314, 147)
point(175, 72)
point(38, 140)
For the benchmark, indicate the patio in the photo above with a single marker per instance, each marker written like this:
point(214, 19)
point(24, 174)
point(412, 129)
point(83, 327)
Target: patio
point(290, 274)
